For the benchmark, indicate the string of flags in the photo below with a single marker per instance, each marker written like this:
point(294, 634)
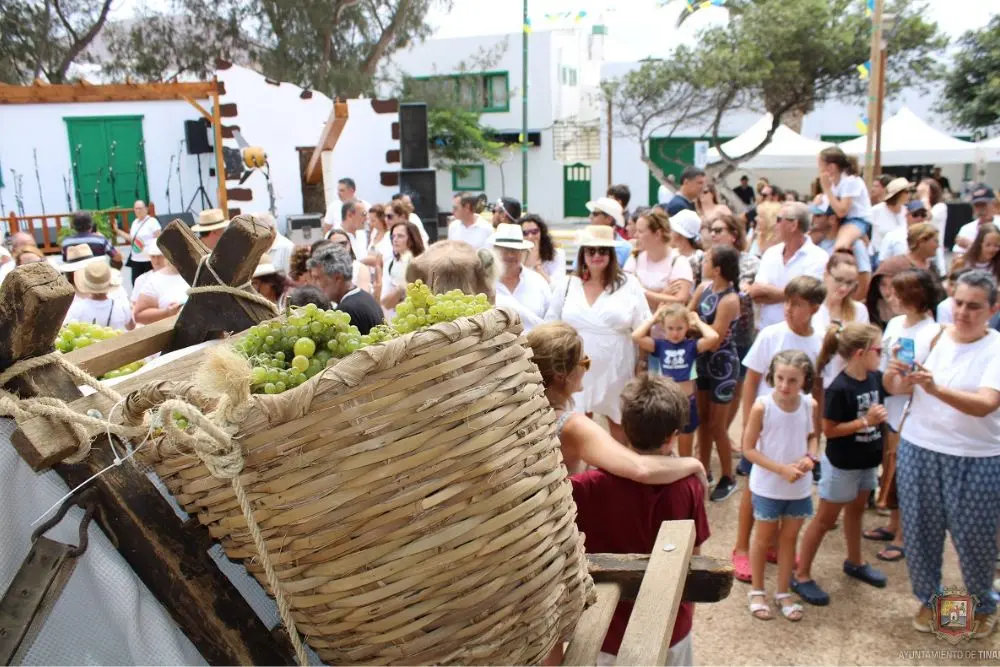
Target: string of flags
point(562, 16)
point(864, 70)
point(870, 8)
point(862, 124)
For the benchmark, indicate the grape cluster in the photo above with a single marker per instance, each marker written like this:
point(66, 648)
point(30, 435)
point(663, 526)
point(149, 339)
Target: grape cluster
point(379, 334)
point(77, 335)
point(284, 354)
point(422, 308)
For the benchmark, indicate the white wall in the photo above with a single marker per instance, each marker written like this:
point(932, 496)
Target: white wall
point(24, 127)
point(360, 154)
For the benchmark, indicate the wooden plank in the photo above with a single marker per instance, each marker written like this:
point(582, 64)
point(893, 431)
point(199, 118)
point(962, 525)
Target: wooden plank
point(327, 141)
point(115, 92)
point(107, 355)
point(708, 579)
point(220, 166)
point(34, 299)
point(647, 637)
point(585, 644)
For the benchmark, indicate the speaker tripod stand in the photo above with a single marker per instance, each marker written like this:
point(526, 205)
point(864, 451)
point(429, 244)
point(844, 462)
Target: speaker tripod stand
point(205, 202)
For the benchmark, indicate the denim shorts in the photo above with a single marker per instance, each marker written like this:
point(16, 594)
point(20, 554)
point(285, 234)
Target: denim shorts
point(692, 423)
point(860, 223)
point(773, 509)
point(843, 486)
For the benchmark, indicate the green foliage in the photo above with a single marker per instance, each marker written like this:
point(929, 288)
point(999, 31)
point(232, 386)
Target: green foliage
point(972, 86)
point(102, 223)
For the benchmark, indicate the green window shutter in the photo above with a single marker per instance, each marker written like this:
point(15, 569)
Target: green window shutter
point(468, 178)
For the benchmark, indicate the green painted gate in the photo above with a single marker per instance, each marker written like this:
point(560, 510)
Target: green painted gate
point(576, 190)
point(90, 145)
point(665, 151)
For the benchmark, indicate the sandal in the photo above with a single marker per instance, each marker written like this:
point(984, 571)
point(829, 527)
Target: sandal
point(792, 612)
point(760, 610)
point(879, 535)
point(741, 567)
point(891, 554)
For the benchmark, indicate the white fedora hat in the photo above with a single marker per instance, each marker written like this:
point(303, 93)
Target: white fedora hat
point(608, 206)
point(209, 220)
point(79, 256)
point(596, 236)
point(266, 267)
point(510, 236)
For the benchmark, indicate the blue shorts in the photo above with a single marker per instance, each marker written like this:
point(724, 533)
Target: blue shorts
point(692, 423)
point(860, 223)
point(773, 509)
point(843, 486)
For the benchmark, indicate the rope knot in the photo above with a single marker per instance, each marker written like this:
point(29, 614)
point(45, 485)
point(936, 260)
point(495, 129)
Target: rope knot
point(243, 291)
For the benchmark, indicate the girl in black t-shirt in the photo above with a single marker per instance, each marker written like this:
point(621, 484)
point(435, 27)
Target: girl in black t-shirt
point(852, 417)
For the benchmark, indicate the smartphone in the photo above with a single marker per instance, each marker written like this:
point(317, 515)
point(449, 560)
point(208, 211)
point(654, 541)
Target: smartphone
point(907, 352)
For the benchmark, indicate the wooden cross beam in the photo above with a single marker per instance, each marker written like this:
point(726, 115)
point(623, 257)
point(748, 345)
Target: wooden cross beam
point(234, 259)
point(169, 556)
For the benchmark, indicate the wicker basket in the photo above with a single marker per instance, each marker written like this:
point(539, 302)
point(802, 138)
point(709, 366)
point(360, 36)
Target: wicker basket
point(413, 500)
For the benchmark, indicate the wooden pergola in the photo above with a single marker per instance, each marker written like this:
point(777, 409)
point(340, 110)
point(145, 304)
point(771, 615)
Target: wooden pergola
point(42, 93)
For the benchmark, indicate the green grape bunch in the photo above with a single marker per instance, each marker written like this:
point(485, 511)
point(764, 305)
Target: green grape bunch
point(423, 308)
point(78, 335)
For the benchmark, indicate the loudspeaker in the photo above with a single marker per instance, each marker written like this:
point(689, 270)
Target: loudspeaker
point(196, 137)
point(413, 148)
point(421, 185)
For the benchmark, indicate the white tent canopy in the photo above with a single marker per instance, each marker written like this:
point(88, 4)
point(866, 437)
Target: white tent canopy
point(787, 150)
point(906, 139)
point(990, 149)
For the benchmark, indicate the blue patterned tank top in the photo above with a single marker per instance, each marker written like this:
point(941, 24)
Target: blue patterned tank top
point(708, 305)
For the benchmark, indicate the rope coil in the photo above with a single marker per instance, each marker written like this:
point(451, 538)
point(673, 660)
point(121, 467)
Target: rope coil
point(221, 287)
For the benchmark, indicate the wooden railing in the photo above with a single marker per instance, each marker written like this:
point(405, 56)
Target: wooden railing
point(46, 228)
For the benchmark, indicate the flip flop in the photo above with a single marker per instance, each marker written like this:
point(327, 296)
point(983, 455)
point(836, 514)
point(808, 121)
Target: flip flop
point(879, 534)
point(891, 554)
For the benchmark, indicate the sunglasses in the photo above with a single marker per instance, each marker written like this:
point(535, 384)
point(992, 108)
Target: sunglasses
point(390, 216)
point(533, 232)
point(590, 252)
point(585, 363)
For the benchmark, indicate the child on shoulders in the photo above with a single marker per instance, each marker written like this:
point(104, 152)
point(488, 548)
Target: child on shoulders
point(618, 515)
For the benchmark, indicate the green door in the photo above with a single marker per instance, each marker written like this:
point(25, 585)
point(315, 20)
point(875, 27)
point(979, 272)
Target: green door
point(108, 161)
point(576, 190)
point(665, 152)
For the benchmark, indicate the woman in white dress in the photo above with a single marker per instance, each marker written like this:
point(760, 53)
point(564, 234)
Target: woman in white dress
point(664, 274)
point(544, 257)
point(406, 244)
point(519, 287)
point(604, 305)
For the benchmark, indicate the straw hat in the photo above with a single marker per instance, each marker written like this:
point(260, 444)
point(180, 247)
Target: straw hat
point(896, 186)
point(210, 220)
point(95, 278)
point(608, 206)
point(79, 256)
point(265, 267)
point(511, 236)
point(596, 236)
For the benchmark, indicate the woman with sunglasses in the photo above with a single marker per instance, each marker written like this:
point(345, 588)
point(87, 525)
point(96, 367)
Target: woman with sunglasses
point(558, 351)
point(605, 305)
point(544, 257)
point(708, 205)
point(839, 307)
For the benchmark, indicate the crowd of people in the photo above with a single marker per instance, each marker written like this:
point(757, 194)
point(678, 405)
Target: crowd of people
point(855, 357)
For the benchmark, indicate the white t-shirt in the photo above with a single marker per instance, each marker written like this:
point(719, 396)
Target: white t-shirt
point(939, 218)
point(166, 288)
point(478, 234)
point(969, 231)
point(809, 260)
point(946, 311)
point(821, 322)
point(281, 253)
point(531, 291)
point(894, 244)
point(855, 188)
point(143, 233)
point(108, 312)
point(935, 425)
point(773, 340)
point(784, 438)
point(895, 330)
point(885, 221)
point(657, 276)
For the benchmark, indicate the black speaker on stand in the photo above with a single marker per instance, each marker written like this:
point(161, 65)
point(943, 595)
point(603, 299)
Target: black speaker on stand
point(196, 140)
point(416, 179)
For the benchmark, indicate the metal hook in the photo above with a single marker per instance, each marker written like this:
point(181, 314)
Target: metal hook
point(86, 499)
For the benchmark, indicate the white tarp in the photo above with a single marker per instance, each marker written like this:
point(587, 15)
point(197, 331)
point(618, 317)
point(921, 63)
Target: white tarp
point(787, 149)
point(990, 149)
point(906, 139)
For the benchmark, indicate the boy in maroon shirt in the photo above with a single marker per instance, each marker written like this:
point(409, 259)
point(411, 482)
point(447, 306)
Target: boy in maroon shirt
point(618, 515)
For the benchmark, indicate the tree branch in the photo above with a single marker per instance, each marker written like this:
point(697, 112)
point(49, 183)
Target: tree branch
point(65, 22)
point(375, 55)
point(81, 43)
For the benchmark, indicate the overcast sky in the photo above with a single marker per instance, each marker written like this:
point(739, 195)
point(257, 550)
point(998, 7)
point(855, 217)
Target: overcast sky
point(637, 28)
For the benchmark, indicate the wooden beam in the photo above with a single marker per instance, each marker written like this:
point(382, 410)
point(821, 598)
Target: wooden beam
point(647, 637)
point(116, 92)
point(708, 579)
point(204, 114)
point(327, 141)
point(107, 355)
point(220, 166)
point(588, 636)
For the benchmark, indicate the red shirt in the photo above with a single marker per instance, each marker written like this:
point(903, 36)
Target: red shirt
point(619, 516)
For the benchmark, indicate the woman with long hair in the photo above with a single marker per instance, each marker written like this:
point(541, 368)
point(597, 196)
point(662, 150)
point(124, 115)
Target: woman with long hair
point(764, 235)
point(846, 194)
point(839, 307)
point(984, 253)
point(663, 273)
point(605, 305)
point(406, 244)
point(890, 214)
point(544, 257)
point(379, 243)
point(558, 351)
point(362, 275)
point(930, 193)
point(708, 204)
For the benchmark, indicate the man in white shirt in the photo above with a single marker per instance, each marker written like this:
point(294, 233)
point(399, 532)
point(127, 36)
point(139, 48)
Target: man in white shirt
point(795, 256)
point(346, 191)
point(467, 226)
point(353, 216)
point(983, 210)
